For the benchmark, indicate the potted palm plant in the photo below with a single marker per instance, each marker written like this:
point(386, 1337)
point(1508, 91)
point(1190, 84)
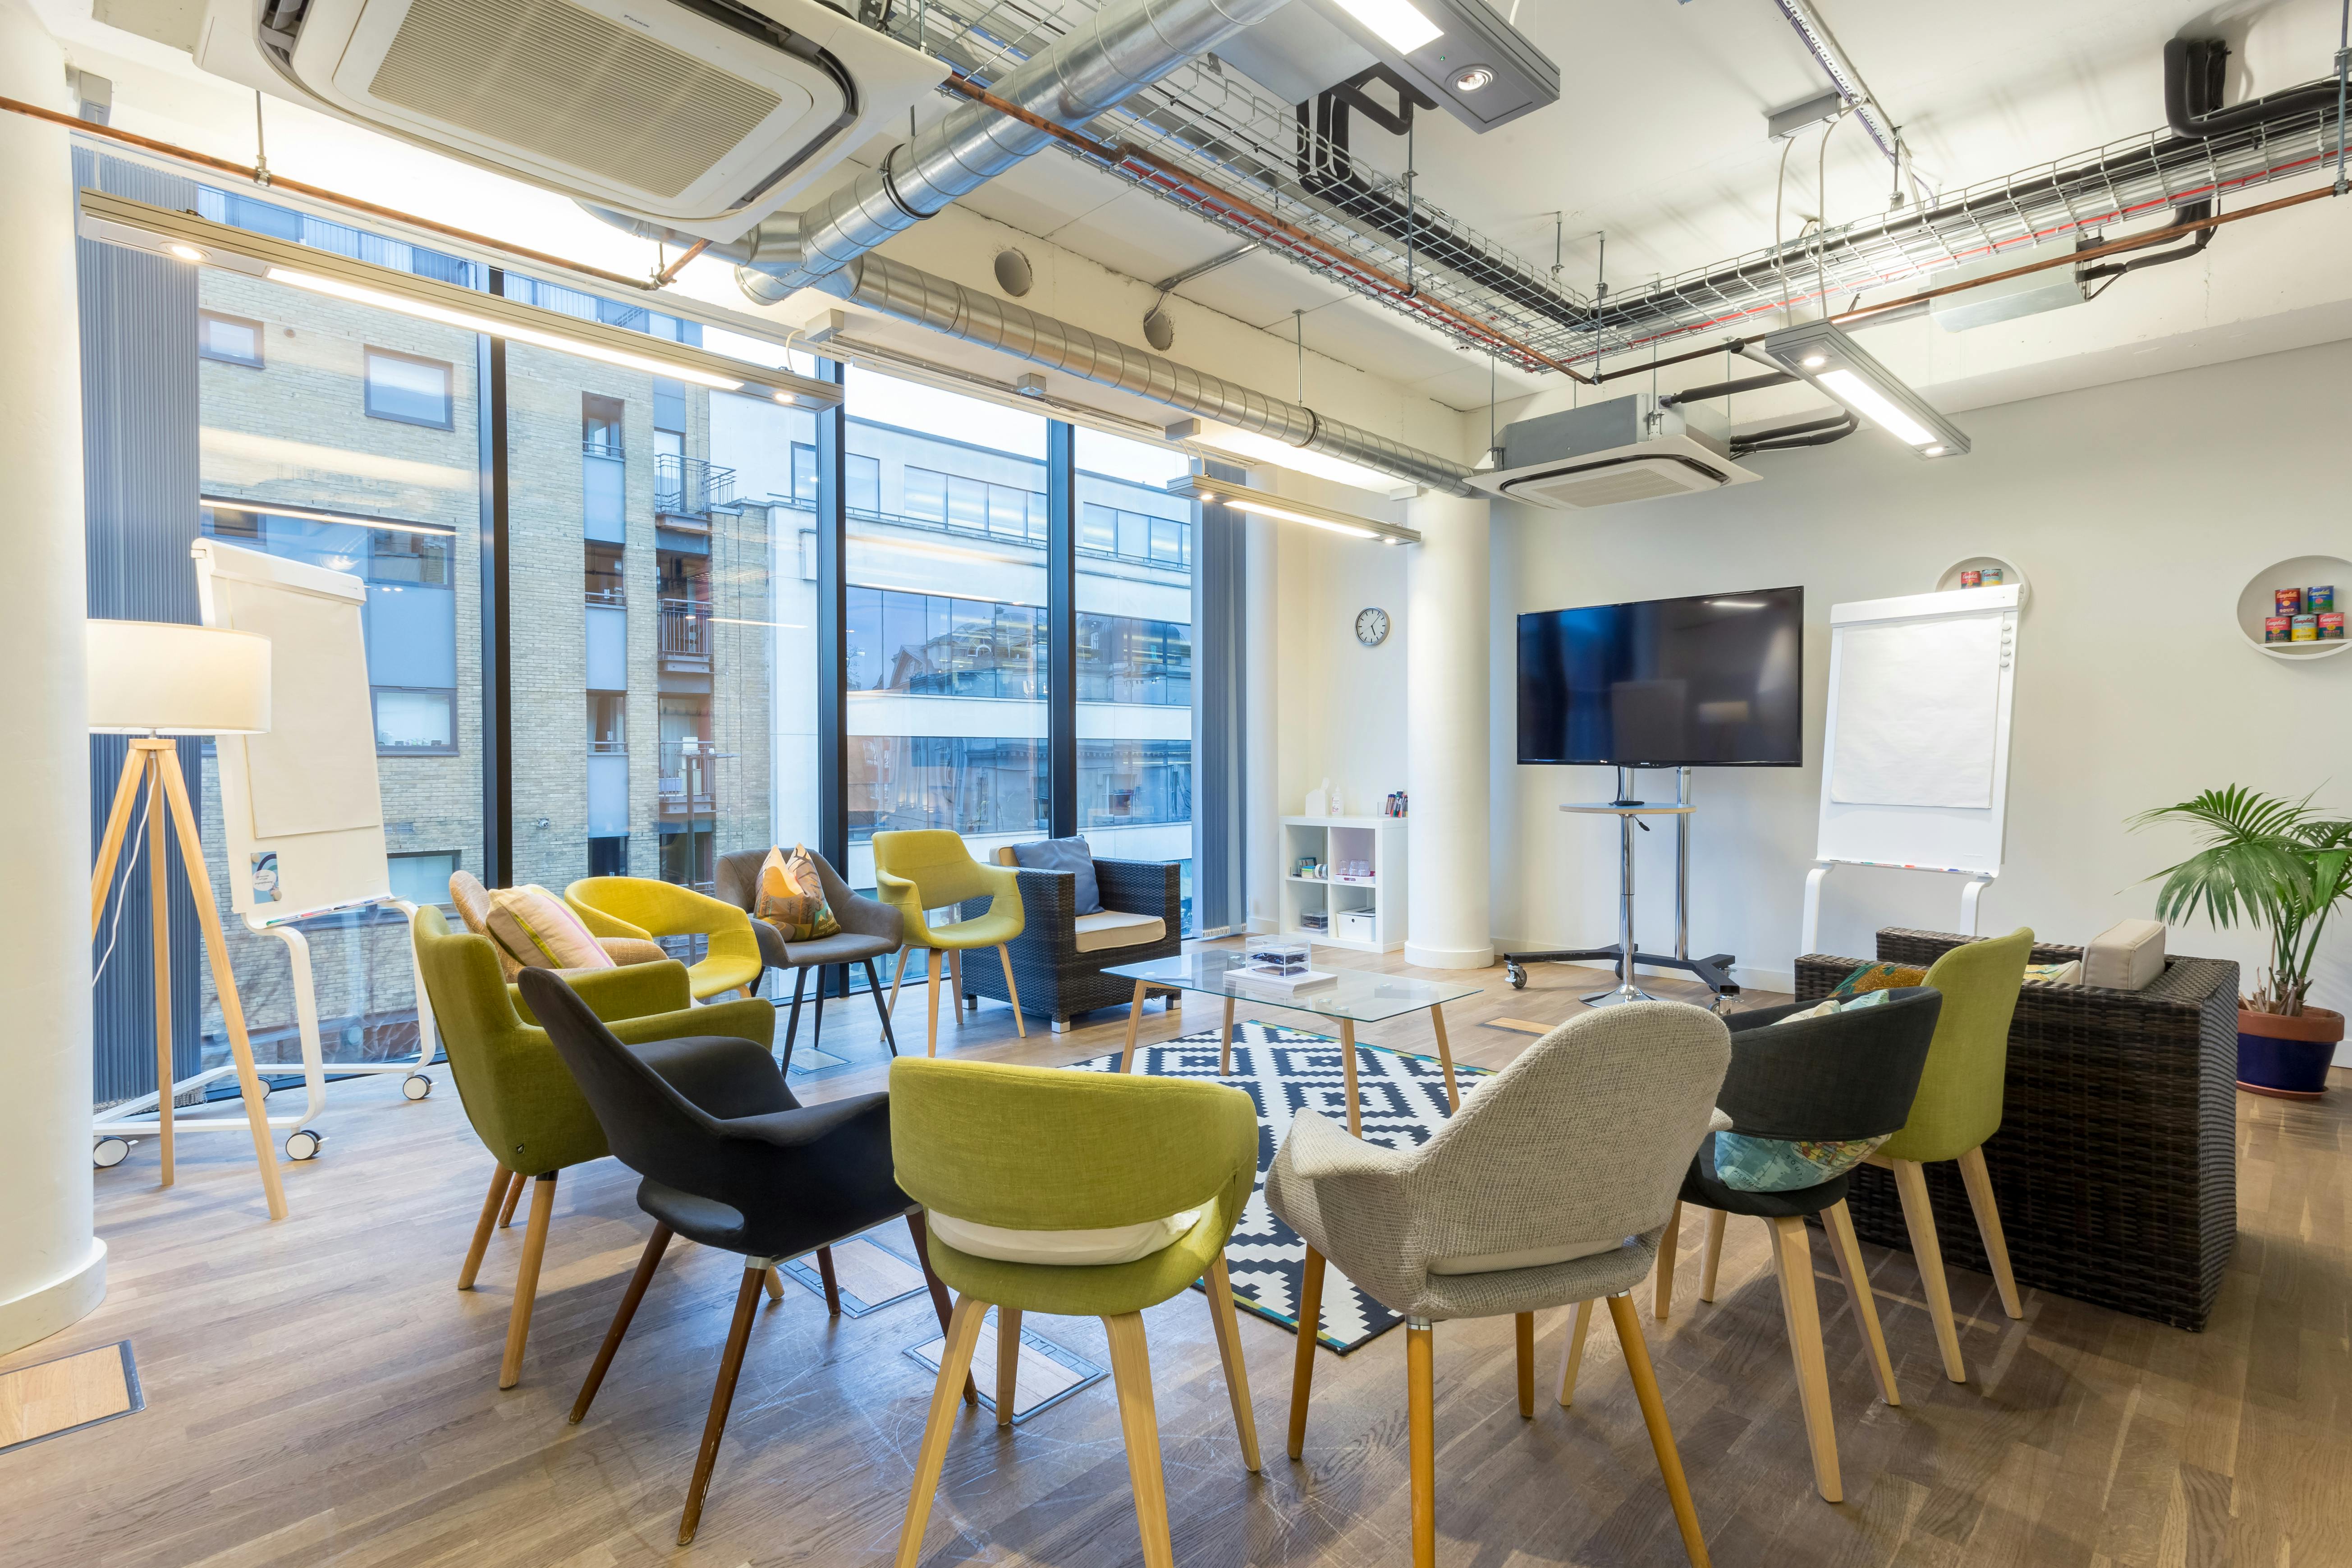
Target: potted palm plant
point(2280, 866)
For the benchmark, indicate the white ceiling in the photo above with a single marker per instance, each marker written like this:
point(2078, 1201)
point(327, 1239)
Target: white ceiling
point(1658, 139)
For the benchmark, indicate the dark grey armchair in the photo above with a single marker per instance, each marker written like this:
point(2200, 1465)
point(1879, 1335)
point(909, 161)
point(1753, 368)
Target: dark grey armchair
point(1060, 955)
point(869, 928)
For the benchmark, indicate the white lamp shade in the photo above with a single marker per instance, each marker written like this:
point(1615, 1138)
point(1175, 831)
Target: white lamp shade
point(159, 677)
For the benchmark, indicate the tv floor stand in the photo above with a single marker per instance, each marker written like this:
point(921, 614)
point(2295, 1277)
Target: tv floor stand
point(1714, 970)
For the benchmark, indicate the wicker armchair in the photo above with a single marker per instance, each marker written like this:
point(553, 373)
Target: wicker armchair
point(2117, 1159)
point(1057, 980)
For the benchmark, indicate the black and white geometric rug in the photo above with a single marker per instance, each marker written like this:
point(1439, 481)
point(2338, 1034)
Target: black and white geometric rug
point(1286, 1071)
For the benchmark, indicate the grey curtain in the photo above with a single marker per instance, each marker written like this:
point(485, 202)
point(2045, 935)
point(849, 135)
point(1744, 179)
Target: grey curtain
point(1217, 665)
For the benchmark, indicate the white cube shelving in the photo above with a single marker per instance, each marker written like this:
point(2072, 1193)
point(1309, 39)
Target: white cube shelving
point(1366, 911)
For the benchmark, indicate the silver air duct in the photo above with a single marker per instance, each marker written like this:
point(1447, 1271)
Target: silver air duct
point(909, 294)
point(1117, 51)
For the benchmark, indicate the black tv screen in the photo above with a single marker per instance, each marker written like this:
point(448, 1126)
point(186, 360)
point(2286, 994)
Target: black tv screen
point(1715, 680)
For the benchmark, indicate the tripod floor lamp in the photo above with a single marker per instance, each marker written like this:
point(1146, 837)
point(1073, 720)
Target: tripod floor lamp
point(154, 682)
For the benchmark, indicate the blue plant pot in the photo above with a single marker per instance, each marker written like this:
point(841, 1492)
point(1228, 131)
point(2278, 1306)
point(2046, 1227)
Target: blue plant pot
point(2283, 1066)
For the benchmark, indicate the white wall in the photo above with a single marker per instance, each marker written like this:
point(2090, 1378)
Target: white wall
point(1342, 704)
point(2137, 512)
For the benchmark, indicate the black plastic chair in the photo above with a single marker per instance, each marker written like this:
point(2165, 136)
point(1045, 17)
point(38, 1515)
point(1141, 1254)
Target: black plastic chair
point(1852, 1074)
point(729, 1159)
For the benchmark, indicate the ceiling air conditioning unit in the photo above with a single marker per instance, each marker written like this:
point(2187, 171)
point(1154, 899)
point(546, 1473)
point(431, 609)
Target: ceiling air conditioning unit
point(706, 115)
point(1606, 454)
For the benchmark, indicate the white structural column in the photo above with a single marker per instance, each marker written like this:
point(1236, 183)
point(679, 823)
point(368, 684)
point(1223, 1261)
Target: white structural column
point(1445, 655)
point(52, 1268)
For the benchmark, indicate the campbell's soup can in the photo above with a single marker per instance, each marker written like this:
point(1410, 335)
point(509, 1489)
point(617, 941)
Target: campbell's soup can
point(2290, 601)
point(2306, 628)
point(2278, 628)
point(2331, 626)
point(1971, 579)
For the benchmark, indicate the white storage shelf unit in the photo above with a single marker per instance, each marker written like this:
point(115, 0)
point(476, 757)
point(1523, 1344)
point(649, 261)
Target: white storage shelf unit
point(1365, 911)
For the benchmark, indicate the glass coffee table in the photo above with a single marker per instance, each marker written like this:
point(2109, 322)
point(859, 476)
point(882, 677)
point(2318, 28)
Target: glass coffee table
point(1356, 996)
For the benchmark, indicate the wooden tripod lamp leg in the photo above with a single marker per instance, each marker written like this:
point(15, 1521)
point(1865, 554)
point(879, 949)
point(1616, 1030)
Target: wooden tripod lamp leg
point(199, 883)
point(159, 891)
point(118, 827)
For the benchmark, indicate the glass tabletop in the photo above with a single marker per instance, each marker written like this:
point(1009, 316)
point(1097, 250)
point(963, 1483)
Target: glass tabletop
point(1353, 994)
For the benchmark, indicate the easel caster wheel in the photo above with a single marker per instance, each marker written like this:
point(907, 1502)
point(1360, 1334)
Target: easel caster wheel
point(302, 1145)
point(415, 1085)
point(109, 1152)
point(1518, 977)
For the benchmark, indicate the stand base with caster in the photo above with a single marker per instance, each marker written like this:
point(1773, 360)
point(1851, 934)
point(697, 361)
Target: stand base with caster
point(1713, 970)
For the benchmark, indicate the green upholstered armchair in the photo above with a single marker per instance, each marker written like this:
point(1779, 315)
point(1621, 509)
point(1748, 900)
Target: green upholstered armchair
point(930, 868)
point(641, 907)
point(517, 1092)
point(1005, 1157)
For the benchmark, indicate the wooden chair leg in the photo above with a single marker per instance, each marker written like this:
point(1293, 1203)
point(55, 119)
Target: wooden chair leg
point(650, 1260)
point(515, 1183)
point(1008, 1362)
point(1421, 1440)
point(775, 1283)
point(1654, 1416)
point(1919, 1219)
point(1229, 1352)
point(1715, 1221)
point(500, 1179)
point(1310, 1320)
point(1838, 1220)
point(874, 989)
point(1526, 1346)
point(1573, 1358)
point(938, 1287)
point(1446, 1059)
point(534, 1247)
point(722, 1397)
point(1011, 990)
point(955, 1366)
point(931, 978)
point(832, 1286)
point(1792, 1250)
point(1347, 1077)
point(1668, 1244)
point(1979, 1184)
point(1226, 1044)
point(898, 972)
point(1130, 1371)
point(955, 979)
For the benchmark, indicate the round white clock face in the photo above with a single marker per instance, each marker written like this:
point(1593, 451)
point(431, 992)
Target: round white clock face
point(1372, 628)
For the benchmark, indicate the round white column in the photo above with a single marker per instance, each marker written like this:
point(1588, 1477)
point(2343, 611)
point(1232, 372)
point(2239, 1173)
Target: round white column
point(52, 1268)
point(1447, 924)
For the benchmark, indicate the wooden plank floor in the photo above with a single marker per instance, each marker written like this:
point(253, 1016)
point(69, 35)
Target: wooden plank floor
point(318, 1392)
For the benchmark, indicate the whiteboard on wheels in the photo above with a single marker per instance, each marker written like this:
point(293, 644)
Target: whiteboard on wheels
point(1915, 752)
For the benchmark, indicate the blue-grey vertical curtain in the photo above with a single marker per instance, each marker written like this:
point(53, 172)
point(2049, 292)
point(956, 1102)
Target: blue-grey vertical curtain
point(1217, 663)
point(139, 477)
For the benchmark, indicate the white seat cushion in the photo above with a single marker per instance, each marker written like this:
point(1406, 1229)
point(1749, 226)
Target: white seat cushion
point(1062, 1249)
point(1526, 1257)
point(1114, 928)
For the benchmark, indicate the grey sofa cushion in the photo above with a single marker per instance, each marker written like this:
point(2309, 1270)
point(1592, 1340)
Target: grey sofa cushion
point(1075, 856)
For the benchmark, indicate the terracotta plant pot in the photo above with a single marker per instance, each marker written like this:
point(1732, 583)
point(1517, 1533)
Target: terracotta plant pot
point(2287, 1058)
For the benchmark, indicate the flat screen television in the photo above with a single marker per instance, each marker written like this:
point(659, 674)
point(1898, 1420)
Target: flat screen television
point(1714, 681)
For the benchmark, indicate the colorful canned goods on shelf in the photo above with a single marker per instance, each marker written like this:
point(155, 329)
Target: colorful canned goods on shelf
point(2306, 628)
point(2278, 628)
point(1971, 579)
point(2319, 601)
point(2331, 626)
point(2290, 601)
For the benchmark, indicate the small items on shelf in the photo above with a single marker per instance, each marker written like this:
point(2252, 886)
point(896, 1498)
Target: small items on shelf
point(1272, 957)
point(2304, 615)
point(1352, 872)
point(1394, 804)
point(1984, 577)
point(1310, 869)
point(1314, 921)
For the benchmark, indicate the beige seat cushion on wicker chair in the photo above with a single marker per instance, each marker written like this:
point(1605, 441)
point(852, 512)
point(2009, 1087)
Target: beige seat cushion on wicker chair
point(1115, 927)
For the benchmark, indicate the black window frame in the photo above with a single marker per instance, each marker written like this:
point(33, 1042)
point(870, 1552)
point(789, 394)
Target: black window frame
point(371, 352)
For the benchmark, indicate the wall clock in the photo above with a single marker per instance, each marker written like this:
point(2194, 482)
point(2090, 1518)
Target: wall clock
point(1372, 628)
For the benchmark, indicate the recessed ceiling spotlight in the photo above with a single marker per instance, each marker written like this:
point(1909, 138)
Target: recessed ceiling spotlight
point(1472, 79)
point(1814, 362)
point(186, 252)
point(1931, 451)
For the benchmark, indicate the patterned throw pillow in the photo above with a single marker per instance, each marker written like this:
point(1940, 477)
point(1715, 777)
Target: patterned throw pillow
point(1879, 977)
point(1784, 1165)
point(538, 930)
point(2067, 974)
point(791, 897)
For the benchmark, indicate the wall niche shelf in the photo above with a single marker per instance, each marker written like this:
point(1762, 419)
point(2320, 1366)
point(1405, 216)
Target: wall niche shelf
point(2256, 604)
point(2011, 578)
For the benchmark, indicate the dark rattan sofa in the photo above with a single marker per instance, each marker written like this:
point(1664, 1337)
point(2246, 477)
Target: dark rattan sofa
point(2115, 1162)
point(1057, 980)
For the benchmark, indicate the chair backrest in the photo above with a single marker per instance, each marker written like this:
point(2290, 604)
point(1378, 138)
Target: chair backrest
point(1962, 1089)
point(1851, 1075)
point(1584, 1138)
point(1046, 1149)
point(473, 902)
point(936, 861)
point(737, 880)
point(652, 1128)
point(658, 908)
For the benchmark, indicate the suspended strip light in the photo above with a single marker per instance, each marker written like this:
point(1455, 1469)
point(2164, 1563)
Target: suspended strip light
point(1286, 509)
point(1824, 355)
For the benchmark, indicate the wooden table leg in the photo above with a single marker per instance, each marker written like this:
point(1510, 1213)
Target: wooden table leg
point(1446, 1059)
point(1226, 1054)
point(1134, 1018)
point(1348, 1066)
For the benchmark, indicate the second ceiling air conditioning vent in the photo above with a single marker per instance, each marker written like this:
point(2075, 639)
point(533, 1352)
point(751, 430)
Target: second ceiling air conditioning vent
point(1627, 449)
point(701, 114)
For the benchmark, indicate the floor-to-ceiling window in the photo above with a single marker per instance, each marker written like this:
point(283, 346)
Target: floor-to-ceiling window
point(1134, 636)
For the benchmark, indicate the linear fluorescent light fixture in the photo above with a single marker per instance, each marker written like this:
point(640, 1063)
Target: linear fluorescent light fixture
point(1826, 356)
point(1253, 448)
point(186, 237)
point(1285, 509)
point(1463, 55)
point(313, 514)
point(1399, 24)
